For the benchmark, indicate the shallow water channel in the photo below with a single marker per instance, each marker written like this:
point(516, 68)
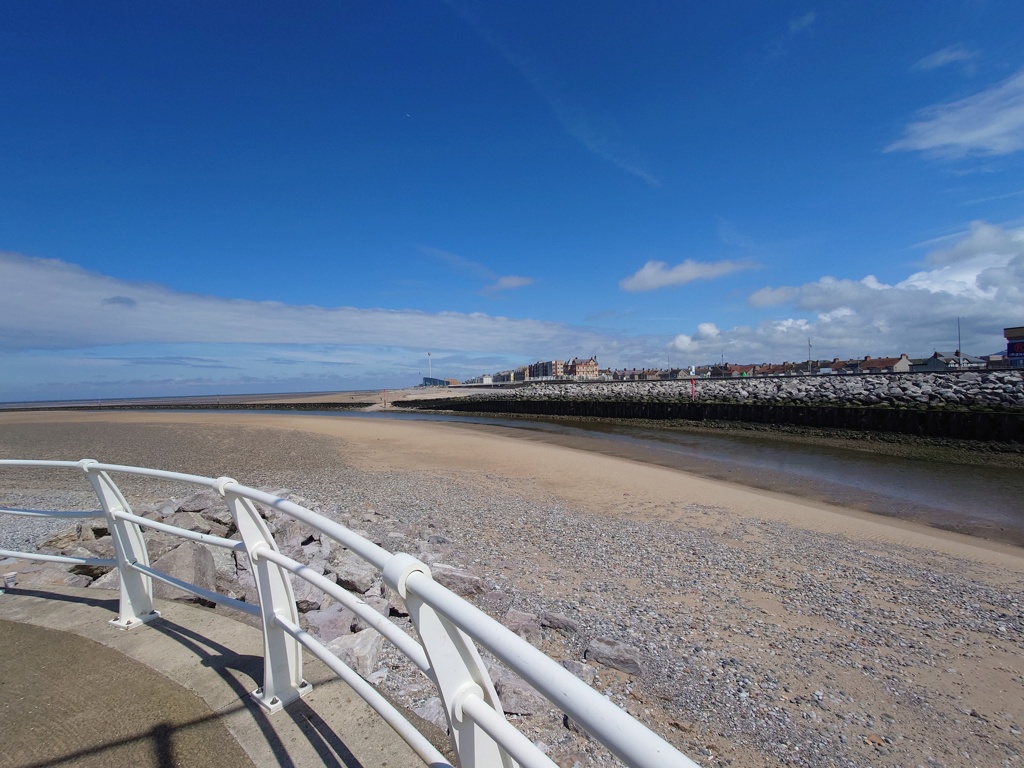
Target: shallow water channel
point(977, 500)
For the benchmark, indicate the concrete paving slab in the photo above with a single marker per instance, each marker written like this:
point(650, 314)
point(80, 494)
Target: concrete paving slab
point(205, 655)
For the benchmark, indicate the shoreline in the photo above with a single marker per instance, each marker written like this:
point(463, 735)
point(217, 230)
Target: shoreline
point(769, 629)
point(947, 450)
point(511, 452)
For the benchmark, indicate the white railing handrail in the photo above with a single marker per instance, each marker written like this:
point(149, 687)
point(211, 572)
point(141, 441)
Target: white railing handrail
point(448, 626)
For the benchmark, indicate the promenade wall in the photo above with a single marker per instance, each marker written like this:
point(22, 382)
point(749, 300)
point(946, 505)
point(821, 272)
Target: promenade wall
point(978, 405)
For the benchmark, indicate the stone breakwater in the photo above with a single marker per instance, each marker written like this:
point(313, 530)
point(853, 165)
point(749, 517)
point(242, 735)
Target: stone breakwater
point(986, 390)
point(968, 406)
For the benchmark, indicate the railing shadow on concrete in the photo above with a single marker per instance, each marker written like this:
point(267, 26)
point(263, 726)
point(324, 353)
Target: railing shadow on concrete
point(450, 629)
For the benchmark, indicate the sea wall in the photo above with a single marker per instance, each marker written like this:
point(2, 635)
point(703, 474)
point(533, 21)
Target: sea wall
point(986, 405)
point(989, 390)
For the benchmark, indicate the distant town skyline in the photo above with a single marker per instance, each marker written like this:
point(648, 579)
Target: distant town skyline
point(222, 198)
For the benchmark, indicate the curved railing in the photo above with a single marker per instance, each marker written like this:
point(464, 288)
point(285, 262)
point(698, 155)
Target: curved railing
point(449, 628)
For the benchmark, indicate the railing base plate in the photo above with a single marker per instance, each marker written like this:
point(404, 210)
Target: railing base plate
point(138, 621)
point(276, 703)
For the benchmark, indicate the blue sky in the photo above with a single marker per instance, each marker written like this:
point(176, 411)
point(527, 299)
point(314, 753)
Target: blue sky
point(238, 197)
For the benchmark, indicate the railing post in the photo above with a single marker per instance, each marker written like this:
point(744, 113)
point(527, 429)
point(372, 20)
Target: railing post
point(282, 653)
point(456, 667)
point(136, 606)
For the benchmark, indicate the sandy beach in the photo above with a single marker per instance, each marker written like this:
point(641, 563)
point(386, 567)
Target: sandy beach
point(772, 630)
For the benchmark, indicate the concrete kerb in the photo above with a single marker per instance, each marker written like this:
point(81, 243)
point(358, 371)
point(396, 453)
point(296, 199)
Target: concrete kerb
point(220, 661)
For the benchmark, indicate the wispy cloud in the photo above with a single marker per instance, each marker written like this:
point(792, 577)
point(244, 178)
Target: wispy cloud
point(988, 123)
point(598, 133)
point(49, 304)
point(802, 23)
point(658, 274)
point(175, 361)
point(952, 54)
point(58, 339)
point(993, 198)
point(797, 27)
point(496, 282)
point(508, 282)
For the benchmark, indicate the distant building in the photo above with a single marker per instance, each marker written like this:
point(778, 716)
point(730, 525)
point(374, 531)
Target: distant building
point(1015, 346)
point(429, 381)
point(582, 369)
point(899, 364)
point(937, 362)
point(547, 369)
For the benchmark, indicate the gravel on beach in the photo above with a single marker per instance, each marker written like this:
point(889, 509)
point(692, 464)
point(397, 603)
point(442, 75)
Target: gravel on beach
point(759, 642)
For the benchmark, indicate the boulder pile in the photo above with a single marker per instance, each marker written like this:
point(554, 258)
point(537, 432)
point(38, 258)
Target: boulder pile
point(228, 573)
point(988, 390)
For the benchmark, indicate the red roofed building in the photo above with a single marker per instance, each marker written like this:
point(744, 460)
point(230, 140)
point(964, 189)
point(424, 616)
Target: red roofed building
point(582, 369)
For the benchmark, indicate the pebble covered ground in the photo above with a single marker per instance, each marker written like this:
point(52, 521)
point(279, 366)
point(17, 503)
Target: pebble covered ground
point(759, 643)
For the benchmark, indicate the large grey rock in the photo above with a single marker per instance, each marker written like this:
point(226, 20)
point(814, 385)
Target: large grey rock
point(379, 604)
point(291, 535)
point(166, 508)
point(220, 514)
point(51, 577)
point(584, 672)
point(62, 540)
point(159, 543)
point(560, 622)
point(223, 561)
point(331, 622)
point(396, 605)
point(432, 711)
point(97, 548)
point(459, 581)
point(92, 529)
point(517, 696)
point(200, 501)
point(189, 562)
point(109, 580)
point(307, 596)
point(246, 583)
point(189, 521)
point(615, 654)
point(359, 651)
point(351, 571)
point(525, 625)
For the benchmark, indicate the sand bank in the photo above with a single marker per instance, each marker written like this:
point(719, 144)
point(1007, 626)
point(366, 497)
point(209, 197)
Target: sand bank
point(772, 629)
point(601, 484)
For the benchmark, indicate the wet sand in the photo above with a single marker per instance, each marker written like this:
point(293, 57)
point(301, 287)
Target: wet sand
point(580, 477)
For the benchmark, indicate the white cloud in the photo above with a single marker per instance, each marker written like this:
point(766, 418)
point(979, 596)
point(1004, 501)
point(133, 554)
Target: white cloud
point(48, 304)
point(770, 297)
point(949, 55)
point(980, 280)
point(508, 282)
point(658, 274)
point(706, 332)
point(988, 123)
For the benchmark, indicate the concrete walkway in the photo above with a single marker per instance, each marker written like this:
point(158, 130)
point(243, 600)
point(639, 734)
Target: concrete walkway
point(75, 690)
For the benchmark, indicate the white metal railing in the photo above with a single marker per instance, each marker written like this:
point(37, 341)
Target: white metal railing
point(449, 627)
